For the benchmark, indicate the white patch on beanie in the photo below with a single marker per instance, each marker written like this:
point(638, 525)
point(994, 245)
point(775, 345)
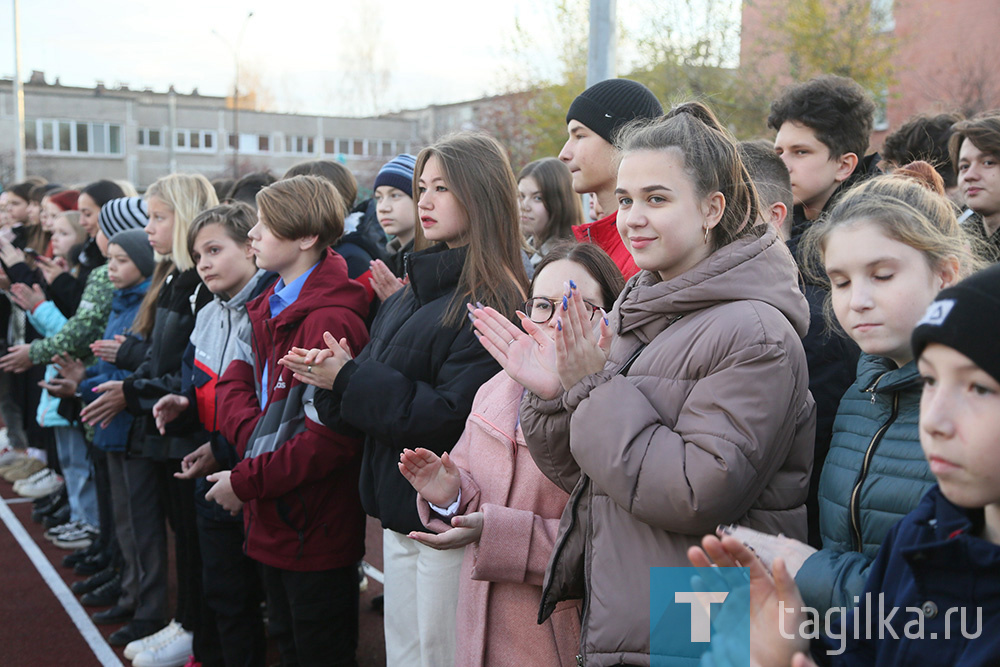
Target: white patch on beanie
point(937, 312)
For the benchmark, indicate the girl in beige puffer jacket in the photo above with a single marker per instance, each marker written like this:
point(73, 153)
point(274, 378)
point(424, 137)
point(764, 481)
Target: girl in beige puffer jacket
point(691, 409)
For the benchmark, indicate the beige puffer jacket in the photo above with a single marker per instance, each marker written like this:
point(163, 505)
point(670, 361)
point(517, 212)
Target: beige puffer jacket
point(713, 424)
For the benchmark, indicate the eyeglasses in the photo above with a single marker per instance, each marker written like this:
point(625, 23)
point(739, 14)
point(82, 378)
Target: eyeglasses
point(540, 309)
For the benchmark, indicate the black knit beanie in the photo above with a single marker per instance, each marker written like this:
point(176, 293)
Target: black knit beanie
point(609, 104)
point(135, 243)
point(966, 318)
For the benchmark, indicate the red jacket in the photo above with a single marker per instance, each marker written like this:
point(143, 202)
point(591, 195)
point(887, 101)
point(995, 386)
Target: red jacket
point(604, 234)
point(298, 478)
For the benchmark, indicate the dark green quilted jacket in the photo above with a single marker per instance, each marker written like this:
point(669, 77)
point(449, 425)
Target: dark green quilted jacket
point(874, 475)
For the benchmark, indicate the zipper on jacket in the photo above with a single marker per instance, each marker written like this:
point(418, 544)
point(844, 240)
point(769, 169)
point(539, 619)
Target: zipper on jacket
point(557, 551)
point(855, 508)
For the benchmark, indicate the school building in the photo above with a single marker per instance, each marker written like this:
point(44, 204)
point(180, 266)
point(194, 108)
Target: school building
point(75, 135)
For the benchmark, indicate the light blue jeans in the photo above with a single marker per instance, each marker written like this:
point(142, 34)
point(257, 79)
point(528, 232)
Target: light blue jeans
point(76, 470)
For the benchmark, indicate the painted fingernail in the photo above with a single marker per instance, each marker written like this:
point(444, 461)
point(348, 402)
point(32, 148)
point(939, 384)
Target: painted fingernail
point(479, 305)
point(472, 318)
point(726, 530)
point(572, 284)
point(565, 302)
point(606, 322)
point(559, 324)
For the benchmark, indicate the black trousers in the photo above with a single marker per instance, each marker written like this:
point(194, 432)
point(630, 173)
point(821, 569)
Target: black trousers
point(232, 594)
point(313, 616)
point(107, 542)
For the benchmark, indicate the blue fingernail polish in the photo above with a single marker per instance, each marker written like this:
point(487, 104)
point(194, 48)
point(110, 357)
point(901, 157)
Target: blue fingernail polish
point(572, 284)
point(606, 321)
point(565, 303)
point(472, 318)
point(559, 325)
point(479, 305)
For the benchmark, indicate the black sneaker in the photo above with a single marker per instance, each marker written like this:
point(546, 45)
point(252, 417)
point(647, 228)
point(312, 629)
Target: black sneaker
point(48, 504)
point(105, 595)
point(92, 564)
point(112, 615)
point(57, 518)
point(77, 556)
point(94, 582)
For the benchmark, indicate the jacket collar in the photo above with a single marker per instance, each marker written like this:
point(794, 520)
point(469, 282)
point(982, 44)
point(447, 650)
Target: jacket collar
point(949, 535)
point(434, 271)
point(128, 296)
point(244, 295)
point(750, 268)
point(328, 285)
point(880, 374)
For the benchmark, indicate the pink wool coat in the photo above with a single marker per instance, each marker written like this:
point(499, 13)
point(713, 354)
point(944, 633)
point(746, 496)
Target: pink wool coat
point(501, 584)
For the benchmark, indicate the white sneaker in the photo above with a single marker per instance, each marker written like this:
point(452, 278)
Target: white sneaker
point(136, 647)
point(32, 478)
point(173, 652)
point(10, 456)
point(54, 532)
point(81, 538)
point(42, 483)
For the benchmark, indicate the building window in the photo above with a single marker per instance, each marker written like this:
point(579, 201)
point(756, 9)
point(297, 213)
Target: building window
point(387, 149)
point(200, 141)
point(329, 146)
point(74, 137)
point(358, 147)
point(247, 143)
point(150, 138)
point(300, 144)
point(344, 146)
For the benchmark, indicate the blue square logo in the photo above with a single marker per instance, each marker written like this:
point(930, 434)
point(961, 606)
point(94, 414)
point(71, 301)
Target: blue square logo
point(695, 609)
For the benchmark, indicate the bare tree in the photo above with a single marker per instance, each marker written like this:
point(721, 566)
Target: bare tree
point(366, 62)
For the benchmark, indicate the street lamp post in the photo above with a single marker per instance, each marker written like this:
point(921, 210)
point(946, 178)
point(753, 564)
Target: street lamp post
point(236, 92)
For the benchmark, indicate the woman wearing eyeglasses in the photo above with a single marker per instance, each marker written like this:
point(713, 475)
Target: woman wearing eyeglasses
point(488, 495)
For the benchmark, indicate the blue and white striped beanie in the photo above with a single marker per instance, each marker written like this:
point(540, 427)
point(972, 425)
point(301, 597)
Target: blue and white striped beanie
point(398, 173)
point(119, 215)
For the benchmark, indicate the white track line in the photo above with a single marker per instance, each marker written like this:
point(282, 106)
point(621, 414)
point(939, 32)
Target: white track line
point(59, 588)
point(372, 572)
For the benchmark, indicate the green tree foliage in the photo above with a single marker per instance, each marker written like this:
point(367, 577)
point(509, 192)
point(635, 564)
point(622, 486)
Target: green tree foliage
point(691, 49)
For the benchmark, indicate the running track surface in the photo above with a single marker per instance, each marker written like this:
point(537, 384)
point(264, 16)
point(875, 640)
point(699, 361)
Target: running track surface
point(37, 628)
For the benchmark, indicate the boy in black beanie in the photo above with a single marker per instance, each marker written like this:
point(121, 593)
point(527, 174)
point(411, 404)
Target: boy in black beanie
point(592, 121)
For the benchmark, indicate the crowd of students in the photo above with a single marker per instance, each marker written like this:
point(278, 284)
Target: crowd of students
point(775, 356)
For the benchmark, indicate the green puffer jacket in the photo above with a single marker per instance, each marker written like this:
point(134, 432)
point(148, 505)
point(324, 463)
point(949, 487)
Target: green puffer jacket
point(86, 325)
point(874, 475)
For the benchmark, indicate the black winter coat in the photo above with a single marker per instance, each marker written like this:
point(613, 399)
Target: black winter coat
point(180, 299)
point(412, 386)
point(67, 290)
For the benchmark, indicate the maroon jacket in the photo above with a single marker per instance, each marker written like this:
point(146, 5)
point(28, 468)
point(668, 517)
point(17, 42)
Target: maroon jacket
point(298, 478)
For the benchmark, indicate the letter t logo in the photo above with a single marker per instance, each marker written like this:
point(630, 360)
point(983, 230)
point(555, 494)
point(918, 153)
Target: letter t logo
point(701, 621)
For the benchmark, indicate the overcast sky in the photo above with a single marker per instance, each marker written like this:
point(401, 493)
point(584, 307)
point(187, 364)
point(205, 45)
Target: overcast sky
point(438, 51)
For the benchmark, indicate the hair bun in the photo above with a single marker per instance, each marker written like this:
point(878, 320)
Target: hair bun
point(697, 110)
point(924, 174)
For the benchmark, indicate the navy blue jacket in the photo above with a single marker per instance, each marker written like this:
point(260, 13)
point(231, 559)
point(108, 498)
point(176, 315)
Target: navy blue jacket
point(931, 562)
point(124, 307)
